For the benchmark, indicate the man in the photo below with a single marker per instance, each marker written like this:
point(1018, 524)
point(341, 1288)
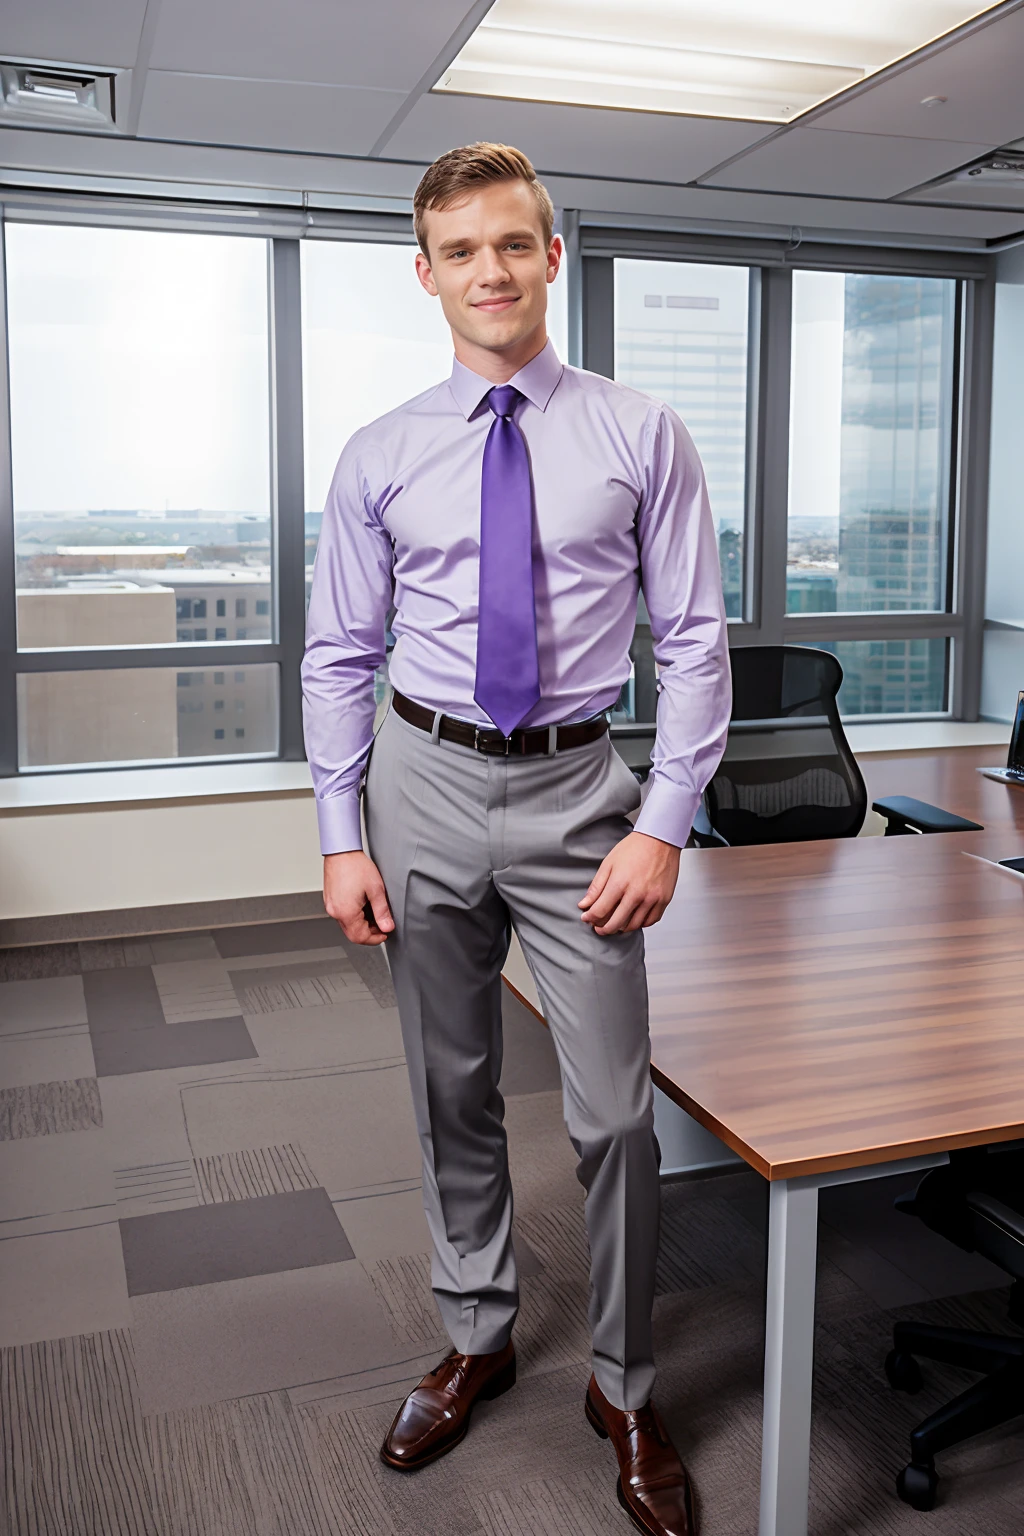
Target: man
point(509, 515)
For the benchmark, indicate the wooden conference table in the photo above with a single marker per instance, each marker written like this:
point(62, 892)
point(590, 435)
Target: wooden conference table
point(842, 1010)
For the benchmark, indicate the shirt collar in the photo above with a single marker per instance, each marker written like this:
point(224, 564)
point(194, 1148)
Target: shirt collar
point(536, 381)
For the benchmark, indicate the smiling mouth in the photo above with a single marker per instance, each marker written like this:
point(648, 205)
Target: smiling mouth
point(496, 305)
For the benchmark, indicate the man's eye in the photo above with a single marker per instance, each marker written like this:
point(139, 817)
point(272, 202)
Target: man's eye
point(456, 254)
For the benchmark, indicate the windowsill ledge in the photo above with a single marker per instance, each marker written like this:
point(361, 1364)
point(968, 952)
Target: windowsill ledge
point(126, 787)
point(925, 735)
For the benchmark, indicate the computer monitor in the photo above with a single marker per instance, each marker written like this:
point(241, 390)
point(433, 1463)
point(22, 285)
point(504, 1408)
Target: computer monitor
point(1013, 773)
point(1015, 756)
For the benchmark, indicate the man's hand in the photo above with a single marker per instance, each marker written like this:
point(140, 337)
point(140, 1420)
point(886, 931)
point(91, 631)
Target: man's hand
point(354, 896)
point(633, 886)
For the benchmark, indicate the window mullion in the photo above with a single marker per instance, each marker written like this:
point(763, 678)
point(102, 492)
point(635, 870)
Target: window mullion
point(288, 485)
point(767, 569)
point(8, 601)
point(972, 497)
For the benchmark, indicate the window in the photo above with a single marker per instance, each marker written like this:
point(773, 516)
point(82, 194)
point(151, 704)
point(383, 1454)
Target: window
point(144, 354)
point(870, 442)
point(681, 335)
point(892, 677)
point(125, 715)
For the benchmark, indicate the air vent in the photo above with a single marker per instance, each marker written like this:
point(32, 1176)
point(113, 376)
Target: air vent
point(996, 181)
point(1003, 169)
point(51, 93)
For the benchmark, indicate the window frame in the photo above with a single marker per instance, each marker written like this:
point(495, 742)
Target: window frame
point(765, 620)
point(591, 248)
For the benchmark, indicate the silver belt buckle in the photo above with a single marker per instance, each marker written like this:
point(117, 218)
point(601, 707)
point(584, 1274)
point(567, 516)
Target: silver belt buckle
point(502, 751)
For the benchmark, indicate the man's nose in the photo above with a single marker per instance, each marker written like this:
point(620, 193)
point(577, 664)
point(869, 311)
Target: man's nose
point(493, 269)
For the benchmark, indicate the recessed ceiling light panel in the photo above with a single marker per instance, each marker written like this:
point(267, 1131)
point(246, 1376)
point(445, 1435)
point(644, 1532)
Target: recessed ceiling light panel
point(732, 58)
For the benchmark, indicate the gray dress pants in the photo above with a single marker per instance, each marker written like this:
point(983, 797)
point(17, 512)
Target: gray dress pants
point(468, 844)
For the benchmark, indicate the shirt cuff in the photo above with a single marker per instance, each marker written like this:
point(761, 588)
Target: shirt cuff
point(338, 820)
point(668, 812)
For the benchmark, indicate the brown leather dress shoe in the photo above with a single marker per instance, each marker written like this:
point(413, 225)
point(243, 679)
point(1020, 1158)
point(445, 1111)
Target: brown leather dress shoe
point(435, 1416)
point(653, 1486)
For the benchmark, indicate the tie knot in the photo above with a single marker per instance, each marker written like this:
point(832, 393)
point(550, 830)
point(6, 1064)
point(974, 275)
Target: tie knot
point(503, 399)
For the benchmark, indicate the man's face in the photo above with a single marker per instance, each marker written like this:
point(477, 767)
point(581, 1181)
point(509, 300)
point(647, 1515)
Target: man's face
point(489, 265)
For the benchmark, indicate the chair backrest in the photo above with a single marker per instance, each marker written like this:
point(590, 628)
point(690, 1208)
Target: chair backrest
point(788, 774)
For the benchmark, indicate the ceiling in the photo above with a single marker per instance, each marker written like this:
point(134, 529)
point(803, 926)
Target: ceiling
point(332, 99)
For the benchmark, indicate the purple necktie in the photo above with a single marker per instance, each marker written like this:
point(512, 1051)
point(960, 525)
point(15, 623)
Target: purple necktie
point(507, 674)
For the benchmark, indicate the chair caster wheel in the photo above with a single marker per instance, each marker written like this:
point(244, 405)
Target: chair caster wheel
point(918, 1486)
point(903, 1372)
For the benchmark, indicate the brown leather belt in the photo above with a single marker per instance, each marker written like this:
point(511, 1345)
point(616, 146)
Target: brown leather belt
point(520, 744)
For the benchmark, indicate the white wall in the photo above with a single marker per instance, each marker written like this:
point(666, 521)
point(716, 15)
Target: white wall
point(102, 858)
point(1003, 664)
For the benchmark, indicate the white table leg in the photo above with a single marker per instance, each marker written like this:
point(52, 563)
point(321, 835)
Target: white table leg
point(788, 1359)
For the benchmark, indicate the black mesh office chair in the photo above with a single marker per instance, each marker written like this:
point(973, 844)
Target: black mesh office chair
point(788, 774)
point(977, 1201)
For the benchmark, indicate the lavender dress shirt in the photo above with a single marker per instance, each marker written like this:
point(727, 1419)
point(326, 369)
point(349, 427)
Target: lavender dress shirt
point(620, 503)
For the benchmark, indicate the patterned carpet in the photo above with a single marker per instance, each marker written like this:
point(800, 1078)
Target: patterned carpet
point(215, 1283)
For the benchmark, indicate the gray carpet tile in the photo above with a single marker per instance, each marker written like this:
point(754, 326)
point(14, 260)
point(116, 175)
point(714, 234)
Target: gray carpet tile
point(264, 1333)
point(122, 998)
point(75, 1458)
point(529, 1063)
point(705, 1242)
point(551, 1506)
point(236, 1469)
point(49, 1109)
point(254, 1392)
point(277, 938)
point(372, 965)
point(151, 1187)
point(402, 1285)
point(44, 1005)
point(368, 1499)
point(199, 1042)
point(309, 985)
point(35, 960)
point(257, 1171)
point(104, 955)
point(229, 1240)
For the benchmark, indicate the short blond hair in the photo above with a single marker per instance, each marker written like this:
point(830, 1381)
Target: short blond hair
point(460, 171)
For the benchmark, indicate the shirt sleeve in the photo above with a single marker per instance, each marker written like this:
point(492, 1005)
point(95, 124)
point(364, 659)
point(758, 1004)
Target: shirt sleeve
point(682, 586)
point(345, 644)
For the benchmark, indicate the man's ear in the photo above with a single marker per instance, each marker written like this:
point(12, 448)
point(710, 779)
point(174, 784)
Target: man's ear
point(556, 251)
point(425, 275)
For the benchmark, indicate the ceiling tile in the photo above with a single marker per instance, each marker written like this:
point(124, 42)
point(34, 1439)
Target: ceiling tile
point(588, 141)
point(834, 164)
point(264, 114)
point(102, 32)
point(384, 44)
point(980, 78)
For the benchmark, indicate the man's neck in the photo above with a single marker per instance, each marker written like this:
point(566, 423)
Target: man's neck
point(497, 367)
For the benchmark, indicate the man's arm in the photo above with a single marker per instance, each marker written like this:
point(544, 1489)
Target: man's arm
point(682, 587)
point(344, 647)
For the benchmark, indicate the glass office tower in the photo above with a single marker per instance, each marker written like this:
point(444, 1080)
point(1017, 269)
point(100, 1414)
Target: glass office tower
point(870, 455)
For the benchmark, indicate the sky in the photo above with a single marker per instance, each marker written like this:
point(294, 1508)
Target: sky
point(139, 363)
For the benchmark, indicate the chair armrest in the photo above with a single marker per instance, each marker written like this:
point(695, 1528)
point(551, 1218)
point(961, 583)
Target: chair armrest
point(1011, 1221)
point(704, 834)
point(905, 814)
